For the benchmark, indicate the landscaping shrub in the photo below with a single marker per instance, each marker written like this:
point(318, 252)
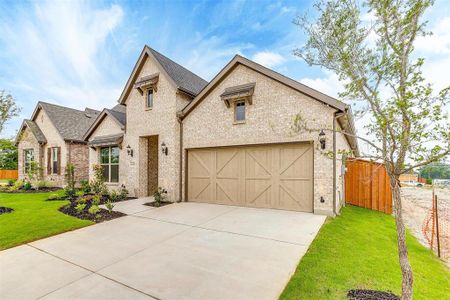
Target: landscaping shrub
point(70, 175)
point(109, 205)
point(69, 192)
point(85, 186)
point(80, 207)
point(11, 182)
point(94, 209)
point(27, 186)
point(123, 193)
point(53, 197)
point(16, 186)
point(159, 195)
point(98, 185)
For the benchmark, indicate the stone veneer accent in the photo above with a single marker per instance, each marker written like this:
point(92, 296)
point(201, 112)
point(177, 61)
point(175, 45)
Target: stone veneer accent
point(268, 120)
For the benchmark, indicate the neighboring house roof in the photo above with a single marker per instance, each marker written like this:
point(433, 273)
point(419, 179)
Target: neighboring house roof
point(35, 130)
point(70, 123)
point(180, 77)
point(347, 124)
point(117, 113)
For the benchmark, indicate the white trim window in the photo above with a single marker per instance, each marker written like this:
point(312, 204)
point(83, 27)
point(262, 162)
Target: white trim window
point(239, 111)
point(109, 160)
point(149, 99)
point(54, 160)
point(28, 155)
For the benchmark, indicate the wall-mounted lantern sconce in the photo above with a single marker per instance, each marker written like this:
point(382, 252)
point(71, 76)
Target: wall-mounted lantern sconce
point(322, 139)
point(129, 151)
point(164, 149)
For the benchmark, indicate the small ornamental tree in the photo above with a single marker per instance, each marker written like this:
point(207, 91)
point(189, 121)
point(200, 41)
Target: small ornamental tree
point(8, 109)
point(375, 61)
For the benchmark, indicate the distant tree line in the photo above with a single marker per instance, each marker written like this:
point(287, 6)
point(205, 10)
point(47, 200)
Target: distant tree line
point(8, 155)
point(436, 171)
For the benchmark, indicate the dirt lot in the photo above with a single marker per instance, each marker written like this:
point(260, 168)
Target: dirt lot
point(416, 206)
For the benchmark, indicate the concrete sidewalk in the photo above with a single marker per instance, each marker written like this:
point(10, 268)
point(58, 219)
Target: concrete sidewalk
point(183, 250)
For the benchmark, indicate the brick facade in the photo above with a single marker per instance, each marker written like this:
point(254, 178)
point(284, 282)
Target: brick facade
point(75, 152)
point(268, 120)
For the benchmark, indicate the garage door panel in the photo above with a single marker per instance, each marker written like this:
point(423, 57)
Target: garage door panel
point(294, 195)
point(258, 192)
point(258, 162)
point(273, 176)
point(227, 191)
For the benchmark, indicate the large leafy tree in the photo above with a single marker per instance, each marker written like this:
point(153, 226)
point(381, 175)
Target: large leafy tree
point(8, 155)
point(8, 109)
point(376, 61)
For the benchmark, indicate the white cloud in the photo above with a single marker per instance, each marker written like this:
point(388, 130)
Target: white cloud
point(59, 47)
point(329, 84)
point(438, 42)
point(268, 59)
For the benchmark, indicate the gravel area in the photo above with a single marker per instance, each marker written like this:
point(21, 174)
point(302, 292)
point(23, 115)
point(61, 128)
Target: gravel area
point(417, 201)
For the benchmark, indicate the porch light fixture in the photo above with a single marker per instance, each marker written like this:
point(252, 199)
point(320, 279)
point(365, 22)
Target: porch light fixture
point(164, 149)
point(322, 139)
point(129, 151)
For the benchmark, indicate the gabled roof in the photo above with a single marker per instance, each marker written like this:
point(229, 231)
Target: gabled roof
point(269, 73)
point(35, 130)
point(180, 77)
point(70, 123)
point(117, 114)
point(327, 100)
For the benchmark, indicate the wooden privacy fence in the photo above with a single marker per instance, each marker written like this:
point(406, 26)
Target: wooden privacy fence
point(367, 185)
point(9, 174)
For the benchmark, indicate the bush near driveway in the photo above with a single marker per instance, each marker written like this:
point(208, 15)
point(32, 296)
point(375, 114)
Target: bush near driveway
point(358, 250)
point(33, 218)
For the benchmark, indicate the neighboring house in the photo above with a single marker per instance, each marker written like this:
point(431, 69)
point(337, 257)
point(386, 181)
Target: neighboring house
point(229, 141)
point(52, 138)
point(409, 177)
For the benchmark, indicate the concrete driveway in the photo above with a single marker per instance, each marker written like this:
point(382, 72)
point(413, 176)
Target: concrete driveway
point(180, 251)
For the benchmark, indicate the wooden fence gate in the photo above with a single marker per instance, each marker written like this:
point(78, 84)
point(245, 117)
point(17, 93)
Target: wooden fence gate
point(367, 185)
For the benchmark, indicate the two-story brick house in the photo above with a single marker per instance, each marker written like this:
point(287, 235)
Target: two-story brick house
point(229, 141)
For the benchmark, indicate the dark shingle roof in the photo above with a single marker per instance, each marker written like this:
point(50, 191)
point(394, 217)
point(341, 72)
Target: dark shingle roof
point(185, 79)
point(119, 112)
point(71, 123)
point(40, 137)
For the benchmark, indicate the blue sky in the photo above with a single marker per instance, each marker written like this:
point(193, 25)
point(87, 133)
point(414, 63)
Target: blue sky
point(80, 53)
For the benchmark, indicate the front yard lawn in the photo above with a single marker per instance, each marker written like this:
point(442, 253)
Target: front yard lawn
point(358, 250)
point(33, 218)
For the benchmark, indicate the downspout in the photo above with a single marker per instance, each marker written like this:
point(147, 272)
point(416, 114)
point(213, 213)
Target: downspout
point(336, 116)
point(180, 179)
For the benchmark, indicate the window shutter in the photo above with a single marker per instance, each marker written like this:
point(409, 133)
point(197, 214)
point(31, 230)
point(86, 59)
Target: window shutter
point(59, 160)
point(49, 161)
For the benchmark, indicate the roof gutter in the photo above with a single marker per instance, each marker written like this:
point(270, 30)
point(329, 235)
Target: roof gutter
point(180, 178)
point(336, 116)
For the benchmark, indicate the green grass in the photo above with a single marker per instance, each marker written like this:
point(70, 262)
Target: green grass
point(358, 250)
point(33, 218)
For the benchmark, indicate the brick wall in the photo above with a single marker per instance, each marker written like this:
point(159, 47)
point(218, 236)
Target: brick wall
point(268, 120)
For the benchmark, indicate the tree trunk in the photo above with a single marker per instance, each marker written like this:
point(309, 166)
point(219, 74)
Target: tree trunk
point(407, 275)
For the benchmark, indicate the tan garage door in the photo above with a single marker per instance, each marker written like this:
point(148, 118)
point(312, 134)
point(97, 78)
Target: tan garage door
point(272, 176)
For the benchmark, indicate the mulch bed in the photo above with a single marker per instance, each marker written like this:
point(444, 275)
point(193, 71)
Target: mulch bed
point(5, 210)
point(100, 216)
point(42, 190)
point(371, 295)
point(161, 204)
